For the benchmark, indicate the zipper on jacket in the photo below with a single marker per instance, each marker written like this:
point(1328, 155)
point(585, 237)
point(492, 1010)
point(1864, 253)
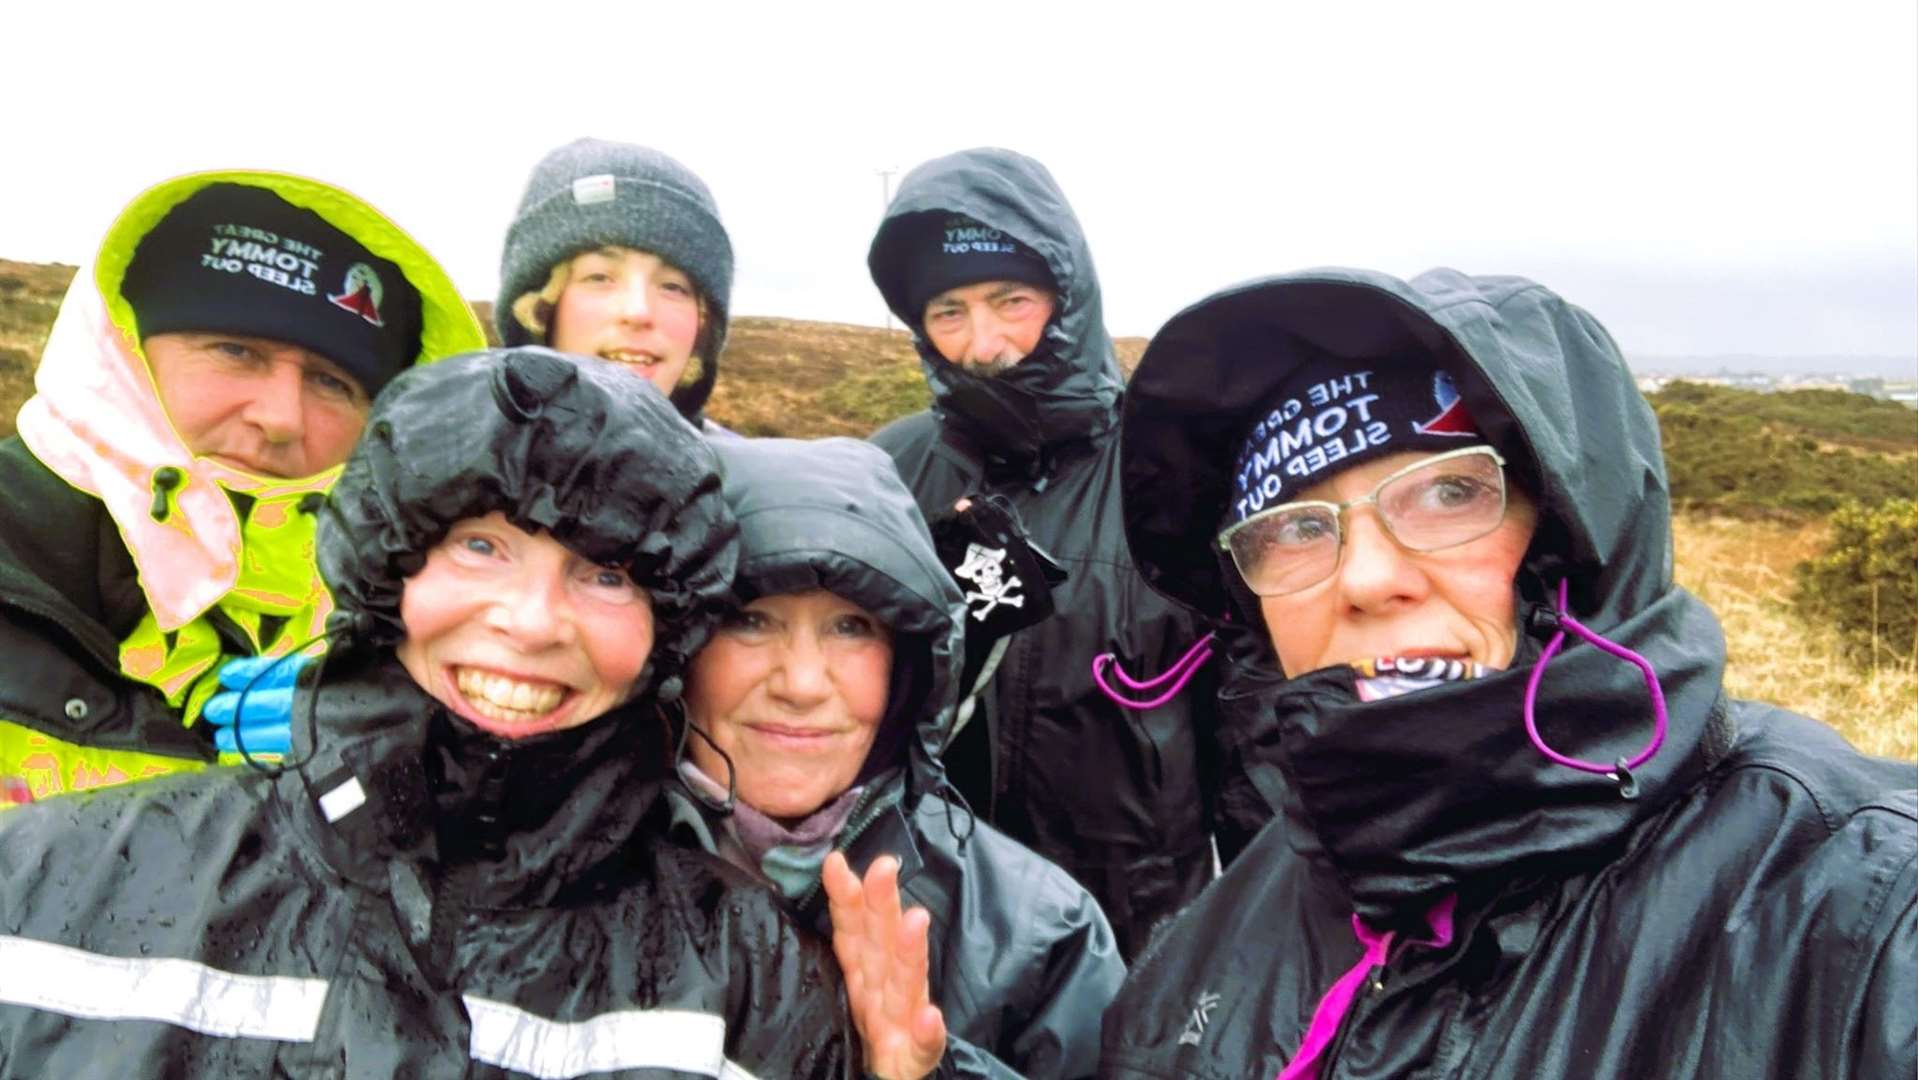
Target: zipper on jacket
point(1016, 689)
point(861, 824)
point(1372, 989)
point(236, 638)
point(994, 767)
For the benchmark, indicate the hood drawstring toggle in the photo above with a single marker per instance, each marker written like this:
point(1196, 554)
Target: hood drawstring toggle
point(1179, 674)
point(949, 794)
point(675, 713)
point(165, 479)
point(1620, 771)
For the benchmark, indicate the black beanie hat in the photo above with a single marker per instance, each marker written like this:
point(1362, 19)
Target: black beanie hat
point(237, 259)
point(948, 251)
point(590, 193)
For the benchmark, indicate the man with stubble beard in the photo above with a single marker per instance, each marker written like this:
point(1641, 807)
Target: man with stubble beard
point(981, 256)
point(208, 373)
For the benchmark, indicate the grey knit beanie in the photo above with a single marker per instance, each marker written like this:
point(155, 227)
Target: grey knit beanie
point(590, 193)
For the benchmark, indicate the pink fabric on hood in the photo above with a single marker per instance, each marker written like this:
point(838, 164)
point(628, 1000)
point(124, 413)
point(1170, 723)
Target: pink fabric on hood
point(96, 420)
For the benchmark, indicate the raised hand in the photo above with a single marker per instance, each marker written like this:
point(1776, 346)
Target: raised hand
point(882, 952)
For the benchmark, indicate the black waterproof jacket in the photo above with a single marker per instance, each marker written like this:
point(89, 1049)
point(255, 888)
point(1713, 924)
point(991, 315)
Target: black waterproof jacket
point(1749, 913)
point(1117, 797)
point(415, 897)
point(68, 595)
point(1022, 961)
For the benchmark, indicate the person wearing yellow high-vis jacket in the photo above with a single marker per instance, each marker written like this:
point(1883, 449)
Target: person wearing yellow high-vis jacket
point(208, 373)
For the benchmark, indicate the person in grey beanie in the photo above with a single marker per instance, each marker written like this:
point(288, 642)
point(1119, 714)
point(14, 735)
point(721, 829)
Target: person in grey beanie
point(617, 251)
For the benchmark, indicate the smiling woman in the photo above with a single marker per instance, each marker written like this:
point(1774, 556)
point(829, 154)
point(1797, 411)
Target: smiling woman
point(447, 874)
point(815, 721)
point(520, 636)
point(790, 691)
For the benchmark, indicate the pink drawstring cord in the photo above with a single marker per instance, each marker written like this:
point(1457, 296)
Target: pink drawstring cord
point(1180, 673)
point(1622, 770)
point(1338, 1000)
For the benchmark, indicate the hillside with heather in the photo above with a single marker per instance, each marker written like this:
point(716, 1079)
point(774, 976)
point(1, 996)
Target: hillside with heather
point(1798, 511)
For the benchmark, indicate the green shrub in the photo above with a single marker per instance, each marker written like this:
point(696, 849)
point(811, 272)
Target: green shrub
point(1828, 415)
point(1743, 453)
point(1866, 582)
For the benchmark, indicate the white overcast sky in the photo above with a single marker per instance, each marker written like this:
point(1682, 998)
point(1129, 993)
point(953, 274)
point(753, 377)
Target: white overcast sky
point(1707, 178)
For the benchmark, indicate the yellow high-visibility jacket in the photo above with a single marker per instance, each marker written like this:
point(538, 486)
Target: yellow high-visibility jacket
point(120, 596)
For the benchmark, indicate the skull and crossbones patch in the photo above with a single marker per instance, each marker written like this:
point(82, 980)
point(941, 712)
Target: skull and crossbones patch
point(985, 567)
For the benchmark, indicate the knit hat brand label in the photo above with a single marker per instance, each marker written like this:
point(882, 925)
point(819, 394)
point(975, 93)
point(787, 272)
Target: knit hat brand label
point(274, 259)
point(964, 235)
point(955, 250)
point(237, 259)
point(589, 190)
point(1299, 438)
point(1342, 418)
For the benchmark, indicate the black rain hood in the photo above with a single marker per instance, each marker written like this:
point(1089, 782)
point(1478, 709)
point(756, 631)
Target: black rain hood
point(832, 514)
point(557, 443)
point(1020, 959)
point(410, 895)
point(1415, 797)
point(1069, 388)
point(605, 464)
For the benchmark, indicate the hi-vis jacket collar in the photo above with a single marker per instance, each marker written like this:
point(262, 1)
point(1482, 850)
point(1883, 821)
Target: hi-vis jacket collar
point(96, 420)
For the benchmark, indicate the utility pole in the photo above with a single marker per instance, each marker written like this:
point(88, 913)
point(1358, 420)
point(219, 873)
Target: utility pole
point(885, 201)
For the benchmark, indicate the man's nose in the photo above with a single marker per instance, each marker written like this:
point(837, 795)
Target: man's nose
point(277, 406)
point(988, 339)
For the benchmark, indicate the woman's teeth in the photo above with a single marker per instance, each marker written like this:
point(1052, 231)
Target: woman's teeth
point(500, 697)
point(627, 356)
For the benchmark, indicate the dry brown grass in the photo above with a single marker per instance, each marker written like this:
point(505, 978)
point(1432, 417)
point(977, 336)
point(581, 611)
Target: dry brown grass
point(29, 296)
point(806, 379)
point(1743, 569)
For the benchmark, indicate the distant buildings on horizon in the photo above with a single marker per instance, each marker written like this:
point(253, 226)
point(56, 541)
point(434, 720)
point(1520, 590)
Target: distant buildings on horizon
point(1902, 391)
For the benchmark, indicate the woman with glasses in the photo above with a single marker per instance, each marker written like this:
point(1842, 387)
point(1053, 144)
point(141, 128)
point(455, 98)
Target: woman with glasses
point(1520, 830)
